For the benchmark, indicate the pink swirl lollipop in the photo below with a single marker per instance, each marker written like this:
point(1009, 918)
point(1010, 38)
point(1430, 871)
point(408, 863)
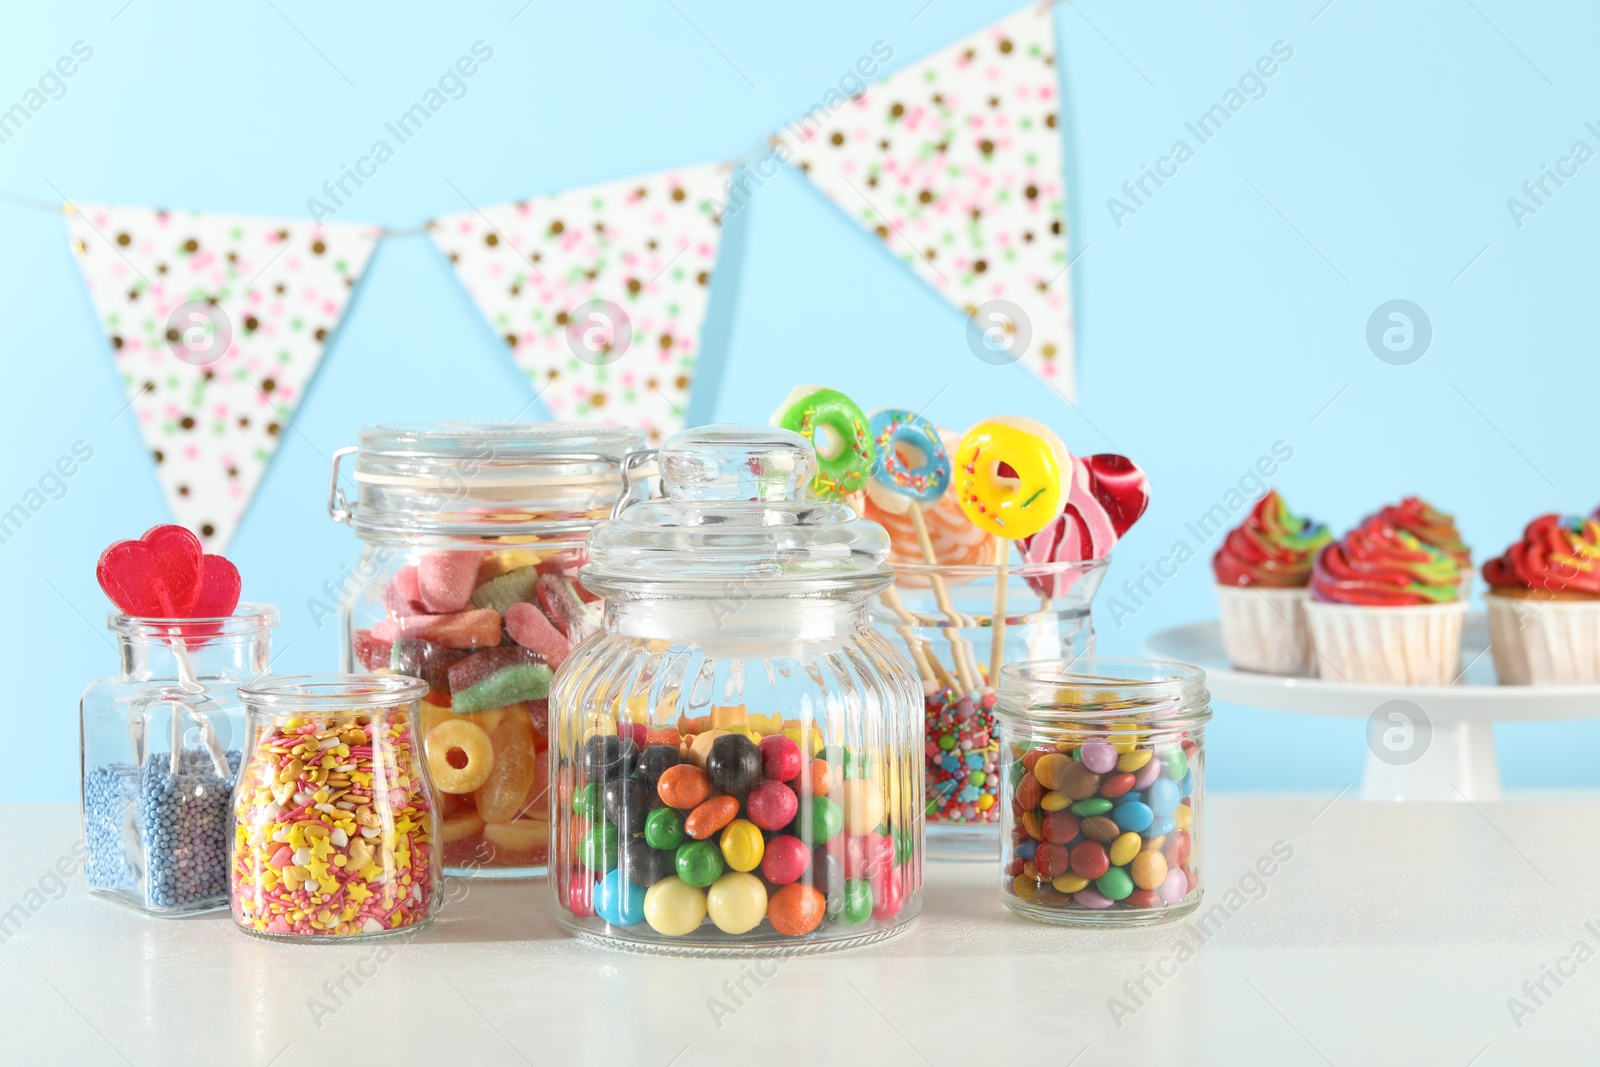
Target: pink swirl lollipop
point(1107, 496)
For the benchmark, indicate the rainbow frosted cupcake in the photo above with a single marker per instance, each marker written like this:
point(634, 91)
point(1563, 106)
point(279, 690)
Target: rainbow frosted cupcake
point(1432, 527)
point(1263, 569)
point(1386, 609)
point(1544, 604)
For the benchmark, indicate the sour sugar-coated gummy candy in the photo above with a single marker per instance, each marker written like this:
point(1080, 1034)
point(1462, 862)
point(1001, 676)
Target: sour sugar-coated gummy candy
point(503, 795)
point(559, 598)
point(508, 591)
point(497, 677)
point(529, 628)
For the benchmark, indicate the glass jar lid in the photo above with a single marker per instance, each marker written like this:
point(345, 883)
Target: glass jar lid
point(735, 522)
point(1086, 690)
point(485, 479)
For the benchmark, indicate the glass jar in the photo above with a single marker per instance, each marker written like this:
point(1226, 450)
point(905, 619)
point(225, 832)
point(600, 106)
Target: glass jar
point(472, 536)
point(334, 822)
point(1103, 789)
point(159, 750)
point(736, 758)
point(943, 616)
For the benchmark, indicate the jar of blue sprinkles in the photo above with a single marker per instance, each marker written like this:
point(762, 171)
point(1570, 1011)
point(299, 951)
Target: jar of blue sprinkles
point(160, 751)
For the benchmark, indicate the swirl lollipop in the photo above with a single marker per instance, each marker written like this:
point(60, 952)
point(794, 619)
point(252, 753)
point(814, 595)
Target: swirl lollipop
point(913, 470)
point(1011, 481)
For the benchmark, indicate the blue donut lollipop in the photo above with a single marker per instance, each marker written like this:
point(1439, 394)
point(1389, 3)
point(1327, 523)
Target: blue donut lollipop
point(924, 483)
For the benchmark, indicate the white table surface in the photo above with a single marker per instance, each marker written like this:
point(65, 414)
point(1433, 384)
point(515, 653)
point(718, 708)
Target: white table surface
point(1394, 935)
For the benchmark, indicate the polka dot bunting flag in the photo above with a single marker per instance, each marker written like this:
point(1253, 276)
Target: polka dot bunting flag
point(955, 163)
point(216, 323)
point(599, 292)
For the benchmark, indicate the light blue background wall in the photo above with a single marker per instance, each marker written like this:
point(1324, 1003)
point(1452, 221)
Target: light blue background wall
point(1222, 317)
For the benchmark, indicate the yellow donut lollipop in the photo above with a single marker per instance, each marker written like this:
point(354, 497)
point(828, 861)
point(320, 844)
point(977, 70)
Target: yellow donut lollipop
point(1010, 476)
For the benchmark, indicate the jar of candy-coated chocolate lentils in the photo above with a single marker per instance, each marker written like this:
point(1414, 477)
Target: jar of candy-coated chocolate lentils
point(736, 760)
point(335, 829)
point(472, 535)
point(160, 751)
point(1102, 790)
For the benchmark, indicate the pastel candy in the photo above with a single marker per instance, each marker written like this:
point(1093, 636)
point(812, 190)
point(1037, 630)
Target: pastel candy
point(445, 580)
point(466, 629)
point(529, 628)
point(1098, 756)
point(1174, 887)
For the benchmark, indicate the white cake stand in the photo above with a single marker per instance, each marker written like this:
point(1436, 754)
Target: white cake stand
point(1423, 742)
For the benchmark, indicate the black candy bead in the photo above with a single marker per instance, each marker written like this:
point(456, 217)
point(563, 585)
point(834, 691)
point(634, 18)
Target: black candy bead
point(656, 761)
point(643, 865)
point(733, 764)
point(625, 800)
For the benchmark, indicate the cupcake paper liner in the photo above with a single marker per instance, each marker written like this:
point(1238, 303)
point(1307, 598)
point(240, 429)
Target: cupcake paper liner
point(1265, 629)
point(1412, 645)
point(1544, 642)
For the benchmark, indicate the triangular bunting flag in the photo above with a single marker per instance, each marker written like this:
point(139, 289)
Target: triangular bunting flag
point(955, 162)
point(217, 323)
point(599, 292)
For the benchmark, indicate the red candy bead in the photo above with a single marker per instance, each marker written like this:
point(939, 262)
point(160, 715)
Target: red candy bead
point(1014, 868)
point(636, 730)
point(867, 856)
point(780, 758)
point(1059, 827)
point(1142, 898)
point(1116, 785)
point(580, 895)
point(772, 805)
point(785, 860)
point(887, 896)
point(1051, 860)
point(1176, 850)
point(1089, 859)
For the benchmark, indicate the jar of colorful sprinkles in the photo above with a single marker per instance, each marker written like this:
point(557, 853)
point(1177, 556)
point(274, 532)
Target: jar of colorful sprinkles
point(1102, 790)
point(334, 817)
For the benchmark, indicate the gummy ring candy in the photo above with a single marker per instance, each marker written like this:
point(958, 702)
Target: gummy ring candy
point(456, 739)
point(927, 480)
point(1009, 476)
point(845, 452)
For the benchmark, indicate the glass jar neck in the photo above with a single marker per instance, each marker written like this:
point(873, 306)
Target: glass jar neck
point(742, 628)
point(235, 656)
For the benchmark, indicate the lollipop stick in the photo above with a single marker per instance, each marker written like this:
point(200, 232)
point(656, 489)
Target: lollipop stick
point(189, 681)
point(997, 623)
point(927, 666)
point(960, 651)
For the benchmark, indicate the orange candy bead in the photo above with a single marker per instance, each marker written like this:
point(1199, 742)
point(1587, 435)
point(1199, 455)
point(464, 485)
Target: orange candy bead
point(796, 909)
point(684, 787)
point(711, 816)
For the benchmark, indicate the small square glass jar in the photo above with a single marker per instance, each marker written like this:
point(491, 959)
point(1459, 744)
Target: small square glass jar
point(1103, 787)
point(159, 751)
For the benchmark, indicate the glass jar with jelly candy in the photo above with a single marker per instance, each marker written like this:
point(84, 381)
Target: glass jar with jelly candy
point(335, 830)
point(736, 759)
point(472, 536)
point(159, 750)
point(942, 615)
point(1103, 787)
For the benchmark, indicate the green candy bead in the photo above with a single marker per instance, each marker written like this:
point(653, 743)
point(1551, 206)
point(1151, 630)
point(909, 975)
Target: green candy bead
point(1092, 806)
point(827, 819)
point(597, 849)
point(663, 828)
point(1116, 883)
point(699, 863)
point(904, 846)
point(586, 803)
point(857, 902)
point(947, 742)
point(841, 757)
point(1174, 763)
point(977, 778)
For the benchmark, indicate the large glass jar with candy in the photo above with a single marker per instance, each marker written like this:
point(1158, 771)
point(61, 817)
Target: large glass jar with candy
point(472, 536)
point(736, 759)
point(335, 830)
point(1103, 790)
point(160, 751)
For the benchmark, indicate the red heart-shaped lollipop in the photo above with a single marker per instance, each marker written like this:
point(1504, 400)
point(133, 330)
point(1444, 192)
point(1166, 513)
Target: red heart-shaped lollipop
point(155, 577)
point(219, 589)
point(166, 575)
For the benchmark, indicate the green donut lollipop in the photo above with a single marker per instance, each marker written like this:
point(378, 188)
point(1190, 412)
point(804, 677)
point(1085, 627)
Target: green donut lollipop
point(839, 431)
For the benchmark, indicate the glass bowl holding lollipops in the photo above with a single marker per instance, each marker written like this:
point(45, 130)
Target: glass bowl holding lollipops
point(956, 575)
